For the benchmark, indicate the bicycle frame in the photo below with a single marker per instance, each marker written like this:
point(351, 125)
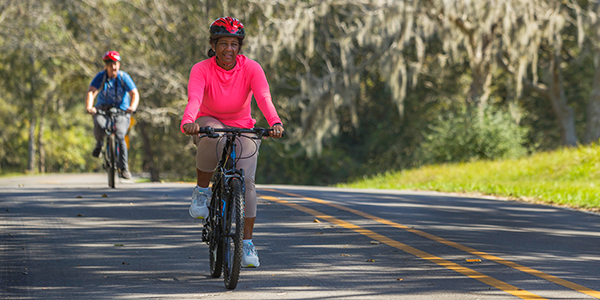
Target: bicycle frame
point(227, 166)
point(111, 148)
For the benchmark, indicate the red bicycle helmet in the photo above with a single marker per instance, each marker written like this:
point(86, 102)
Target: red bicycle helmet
point(111, 56)
point(227, 26)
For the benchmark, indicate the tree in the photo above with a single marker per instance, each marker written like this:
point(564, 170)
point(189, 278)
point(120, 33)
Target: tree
point(468, 31)
point(539, 30)
point(34, 63)
point(318, 51)
point(588, 20)
point(358, 81)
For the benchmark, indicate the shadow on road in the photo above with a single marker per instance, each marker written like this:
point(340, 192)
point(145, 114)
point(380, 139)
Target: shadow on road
point(139, 242)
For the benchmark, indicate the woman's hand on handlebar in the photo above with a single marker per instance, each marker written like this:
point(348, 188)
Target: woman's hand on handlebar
point(277, 131)
point(92, 110)
point(191, 128)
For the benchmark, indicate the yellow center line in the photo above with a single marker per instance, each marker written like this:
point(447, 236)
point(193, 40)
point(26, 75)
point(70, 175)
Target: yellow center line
point(501, 285)
point(540, 274)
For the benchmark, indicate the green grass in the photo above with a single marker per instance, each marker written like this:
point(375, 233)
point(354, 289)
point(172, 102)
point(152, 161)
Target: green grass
point(569, 177)
point(11, 174)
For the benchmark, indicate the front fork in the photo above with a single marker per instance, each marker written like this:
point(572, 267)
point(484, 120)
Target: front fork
point(216, 217)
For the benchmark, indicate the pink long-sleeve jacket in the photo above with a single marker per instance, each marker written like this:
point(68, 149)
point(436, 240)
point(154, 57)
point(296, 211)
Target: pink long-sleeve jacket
point(226, 95)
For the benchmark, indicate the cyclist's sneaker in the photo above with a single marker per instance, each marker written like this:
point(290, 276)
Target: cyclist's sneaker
point(96, 151)
point(125, 174)
point(200, 200)
point(250, 256)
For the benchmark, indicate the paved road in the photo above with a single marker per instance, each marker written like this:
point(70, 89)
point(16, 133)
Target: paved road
point(70, 237)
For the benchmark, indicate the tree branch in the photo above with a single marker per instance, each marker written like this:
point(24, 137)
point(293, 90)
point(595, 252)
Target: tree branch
point(539, 87)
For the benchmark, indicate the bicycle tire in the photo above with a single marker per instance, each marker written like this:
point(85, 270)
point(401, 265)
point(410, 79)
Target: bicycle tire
point(215, 244)
point(234, 234)
point(112, 164)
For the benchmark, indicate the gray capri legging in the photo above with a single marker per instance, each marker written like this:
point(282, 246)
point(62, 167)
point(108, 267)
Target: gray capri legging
point(209, 153)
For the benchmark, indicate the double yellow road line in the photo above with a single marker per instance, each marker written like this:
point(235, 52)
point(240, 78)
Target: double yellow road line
point(432, 258)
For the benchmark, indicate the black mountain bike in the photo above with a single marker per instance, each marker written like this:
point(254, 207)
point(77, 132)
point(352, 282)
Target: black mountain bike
point(224, 228)
point(110, 151)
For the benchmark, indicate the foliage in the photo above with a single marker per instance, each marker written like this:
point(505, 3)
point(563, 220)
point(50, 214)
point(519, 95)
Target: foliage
point(320, 50)
point(14, 147)
point(276, 166)
point(357, 83)
point(384, 141)
point(466, 136)
point(69, 144)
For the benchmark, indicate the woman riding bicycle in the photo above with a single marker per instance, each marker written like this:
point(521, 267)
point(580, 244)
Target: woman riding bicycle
point(220, 91)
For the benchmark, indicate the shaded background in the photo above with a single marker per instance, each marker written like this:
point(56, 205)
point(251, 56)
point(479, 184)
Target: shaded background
point(363, 87)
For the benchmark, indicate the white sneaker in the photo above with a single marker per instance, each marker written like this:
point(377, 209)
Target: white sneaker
point(200, 200)
point(250, 256)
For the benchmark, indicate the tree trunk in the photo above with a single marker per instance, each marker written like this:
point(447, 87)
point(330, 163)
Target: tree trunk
point(479, 90)
point(32, 119)
point(480, 52)
point(558, 99)
point(31, 147)
point(592, 128)
point(148, 161)
point(40, 140)
point(566, 119)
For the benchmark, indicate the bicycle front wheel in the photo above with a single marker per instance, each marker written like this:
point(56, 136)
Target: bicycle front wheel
point(234, 233)
point(112, 160)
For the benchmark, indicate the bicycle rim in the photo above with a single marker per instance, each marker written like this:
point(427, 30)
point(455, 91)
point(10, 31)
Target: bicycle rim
point(215, 245)
point(233, 239)
point(112, 164)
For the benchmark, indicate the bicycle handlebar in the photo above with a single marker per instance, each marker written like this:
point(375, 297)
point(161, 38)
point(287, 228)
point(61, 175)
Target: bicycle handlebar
point(214, 132)
point(111, 111)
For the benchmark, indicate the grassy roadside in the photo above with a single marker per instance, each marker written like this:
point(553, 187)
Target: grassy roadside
point(11, 174)
point(568, 177)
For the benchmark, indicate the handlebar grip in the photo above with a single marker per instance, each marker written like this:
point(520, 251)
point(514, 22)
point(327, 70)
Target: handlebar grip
point(267, 132)
point(206, 129)
point(283, 134)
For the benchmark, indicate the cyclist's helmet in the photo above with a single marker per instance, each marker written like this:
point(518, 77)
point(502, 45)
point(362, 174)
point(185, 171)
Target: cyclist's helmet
point(111, 56)
point(227, 26)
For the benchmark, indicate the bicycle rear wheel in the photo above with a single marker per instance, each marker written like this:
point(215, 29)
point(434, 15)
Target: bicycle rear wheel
point(213, 225)
point(234, 234)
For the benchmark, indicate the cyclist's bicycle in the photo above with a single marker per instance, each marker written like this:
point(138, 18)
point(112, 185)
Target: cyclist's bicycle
point(224, 227)
point(110, 151)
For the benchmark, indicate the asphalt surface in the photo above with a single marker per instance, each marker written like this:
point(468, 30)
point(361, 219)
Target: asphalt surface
point(71, 237)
